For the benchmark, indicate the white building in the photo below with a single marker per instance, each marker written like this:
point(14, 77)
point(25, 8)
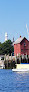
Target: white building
point(6, 36)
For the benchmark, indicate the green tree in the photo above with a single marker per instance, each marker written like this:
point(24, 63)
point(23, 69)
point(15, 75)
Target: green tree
point(6, 47)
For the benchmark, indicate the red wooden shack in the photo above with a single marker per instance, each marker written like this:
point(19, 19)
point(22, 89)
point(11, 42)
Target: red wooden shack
point(21, 45)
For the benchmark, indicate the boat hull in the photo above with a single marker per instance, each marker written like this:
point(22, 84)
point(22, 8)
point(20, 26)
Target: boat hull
point(21, 68)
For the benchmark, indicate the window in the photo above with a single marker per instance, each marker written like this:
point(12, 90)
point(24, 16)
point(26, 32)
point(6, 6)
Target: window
point(22, 50)
point(24, 44)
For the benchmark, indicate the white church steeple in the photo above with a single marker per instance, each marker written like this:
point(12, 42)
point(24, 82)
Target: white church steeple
point(6, 36)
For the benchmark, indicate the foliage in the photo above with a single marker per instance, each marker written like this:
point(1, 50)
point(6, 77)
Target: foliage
point(6, 47)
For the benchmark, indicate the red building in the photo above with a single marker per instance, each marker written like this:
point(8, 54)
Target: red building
point(21, 45)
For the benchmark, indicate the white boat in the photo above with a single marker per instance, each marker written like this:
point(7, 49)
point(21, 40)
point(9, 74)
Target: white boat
point(2, 67)
point(21, 68)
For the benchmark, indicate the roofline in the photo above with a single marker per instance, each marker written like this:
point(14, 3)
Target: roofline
point(24, 38)
point(21, 41)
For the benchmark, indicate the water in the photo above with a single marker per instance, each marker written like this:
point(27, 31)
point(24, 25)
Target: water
point(13, 81)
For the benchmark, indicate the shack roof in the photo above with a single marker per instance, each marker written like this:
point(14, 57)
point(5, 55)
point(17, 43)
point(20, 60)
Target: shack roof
point(19, 40)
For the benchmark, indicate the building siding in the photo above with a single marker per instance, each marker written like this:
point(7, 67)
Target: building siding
point(22, 48)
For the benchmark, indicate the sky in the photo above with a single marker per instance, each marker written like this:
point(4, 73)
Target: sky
point(14, 15)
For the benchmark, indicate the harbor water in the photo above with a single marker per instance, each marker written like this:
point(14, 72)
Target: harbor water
point(13, 82)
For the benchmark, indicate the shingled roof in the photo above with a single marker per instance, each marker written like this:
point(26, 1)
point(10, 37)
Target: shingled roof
point(19, 40)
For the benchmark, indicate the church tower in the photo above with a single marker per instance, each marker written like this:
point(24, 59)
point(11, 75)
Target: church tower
point(6, 36)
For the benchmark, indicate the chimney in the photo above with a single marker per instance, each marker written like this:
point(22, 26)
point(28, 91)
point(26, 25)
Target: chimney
point(20, 36)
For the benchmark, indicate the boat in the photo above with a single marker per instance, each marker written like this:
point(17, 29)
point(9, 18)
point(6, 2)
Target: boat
point(2, 66)
point(21, 68)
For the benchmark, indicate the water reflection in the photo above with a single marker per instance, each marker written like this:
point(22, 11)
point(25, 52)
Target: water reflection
point(13, 81)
